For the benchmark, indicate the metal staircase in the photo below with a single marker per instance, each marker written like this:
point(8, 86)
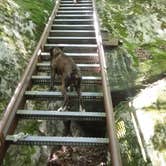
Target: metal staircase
point(75, 28)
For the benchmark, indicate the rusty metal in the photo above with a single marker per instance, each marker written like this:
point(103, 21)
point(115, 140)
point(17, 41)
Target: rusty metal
point(113, 145)
point(2, 139)
point(9, 117)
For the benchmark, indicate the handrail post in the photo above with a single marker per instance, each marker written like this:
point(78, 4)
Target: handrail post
point(113, 145)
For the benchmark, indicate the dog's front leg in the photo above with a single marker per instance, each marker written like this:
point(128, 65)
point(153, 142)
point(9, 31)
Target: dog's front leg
point(78, 90)
point(52, 79)
point(64, 93)
point(81, 108)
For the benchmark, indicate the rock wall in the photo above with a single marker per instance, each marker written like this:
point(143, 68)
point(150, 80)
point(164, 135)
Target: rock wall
point(21, 24)
point(16, 45)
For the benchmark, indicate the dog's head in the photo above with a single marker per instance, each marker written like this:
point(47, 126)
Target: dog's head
point(55, 51)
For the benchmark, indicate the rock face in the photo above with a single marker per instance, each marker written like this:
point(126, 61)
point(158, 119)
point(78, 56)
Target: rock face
point(141, 27)
point(121, 71)
point(16, 43)
point(140, 63)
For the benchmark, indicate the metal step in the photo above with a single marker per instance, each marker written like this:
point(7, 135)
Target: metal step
point(83, 12)
point(76, 8)
point(48, 95)
point(76, 5)
point(75, 33)
point(87, 58)
point(73, 48)
point(79, 1)
point(76, 16)
point(72, 27)
point(46, 80)
point(83, 67)
point(46, 55)
point(73, 21)
point(71, 40)
point(71, 2)
point(56, 115)
point(51, 141)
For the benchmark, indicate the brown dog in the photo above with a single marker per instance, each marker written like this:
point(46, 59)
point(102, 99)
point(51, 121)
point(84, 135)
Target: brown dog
point(71, 77)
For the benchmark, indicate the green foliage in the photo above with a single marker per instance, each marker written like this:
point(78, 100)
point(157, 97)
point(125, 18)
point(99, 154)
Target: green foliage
point(29, 126)
point(140, 24)
point(121, 61)
point(39, 10)
point(17, 29)
point(156, 65)
point(129, 147)
point(23, 157)
point(158, 139)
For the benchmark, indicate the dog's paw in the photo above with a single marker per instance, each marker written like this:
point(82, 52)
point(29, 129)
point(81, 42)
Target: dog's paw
point(81, 109)
point(62, 109)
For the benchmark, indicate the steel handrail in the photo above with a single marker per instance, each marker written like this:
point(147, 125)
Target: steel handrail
point(113, 144)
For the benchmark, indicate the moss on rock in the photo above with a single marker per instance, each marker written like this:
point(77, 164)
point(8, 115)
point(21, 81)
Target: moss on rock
point(140, 24)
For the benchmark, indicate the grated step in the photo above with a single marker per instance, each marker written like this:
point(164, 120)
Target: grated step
point(48, 95)
point(76, 8)
point(78, 5)
point(73, 21)
point(69, 33)
point(73, 55)
point(80, 1)
point(76, 16)
point(46, 80)
point(50, 141)
point(71, 2)
point(56, 115)
point(45, 66)
point(84, 12)
point(74, 48)
point(72, 45)
point(71, 40)
point(77, 57)
point(72, 27)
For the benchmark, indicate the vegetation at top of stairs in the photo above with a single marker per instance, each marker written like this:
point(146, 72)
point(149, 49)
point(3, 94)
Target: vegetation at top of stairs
point(39, 11)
